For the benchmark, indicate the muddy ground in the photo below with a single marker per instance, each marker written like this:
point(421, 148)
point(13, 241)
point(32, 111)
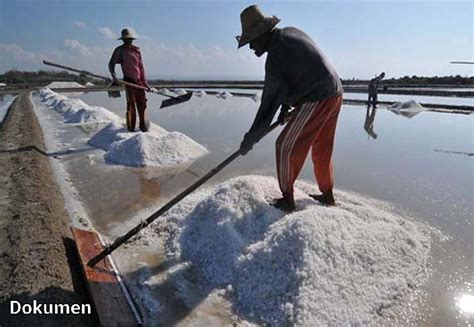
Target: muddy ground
point(37, 255)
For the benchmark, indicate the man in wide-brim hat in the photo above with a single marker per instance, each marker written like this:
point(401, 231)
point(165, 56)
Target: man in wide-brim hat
point(297, 74)
point(130, 58)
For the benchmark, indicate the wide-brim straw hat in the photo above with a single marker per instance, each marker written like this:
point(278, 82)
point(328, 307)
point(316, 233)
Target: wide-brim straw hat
point(127, 35)
point(254, 24)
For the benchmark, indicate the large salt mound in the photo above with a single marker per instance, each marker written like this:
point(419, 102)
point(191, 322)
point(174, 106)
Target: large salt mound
point(343, 265)
point(149, 150)
point(91, 115)
point(51, 98)
point(116, 131)
point(156, 148)
point(104, 138)
point(75, 111)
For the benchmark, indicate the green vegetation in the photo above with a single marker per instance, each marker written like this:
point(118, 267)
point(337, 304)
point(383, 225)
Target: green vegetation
point(421, 80)
point(42, 78)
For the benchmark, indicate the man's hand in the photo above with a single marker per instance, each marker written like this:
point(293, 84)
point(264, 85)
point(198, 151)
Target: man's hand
point(112, 82)
point(247, 144)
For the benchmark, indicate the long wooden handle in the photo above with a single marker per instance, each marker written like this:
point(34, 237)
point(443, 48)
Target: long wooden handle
point(85, 72)
point(122, 239)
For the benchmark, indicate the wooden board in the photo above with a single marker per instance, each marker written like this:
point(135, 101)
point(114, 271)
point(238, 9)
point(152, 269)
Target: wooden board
point(111, 299)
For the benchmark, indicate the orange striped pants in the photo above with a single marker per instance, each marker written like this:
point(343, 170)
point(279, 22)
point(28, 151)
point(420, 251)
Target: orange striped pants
point(312, 126)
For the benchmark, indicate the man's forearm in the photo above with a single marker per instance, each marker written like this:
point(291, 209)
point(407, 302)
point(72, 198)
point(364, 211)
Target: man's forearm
point(112, 69)
point(272, 98)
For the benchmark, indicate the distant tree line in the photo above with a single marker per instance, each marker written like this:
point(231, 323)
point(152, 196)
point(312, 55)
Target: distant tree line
point(43, 77)
point(421, 80)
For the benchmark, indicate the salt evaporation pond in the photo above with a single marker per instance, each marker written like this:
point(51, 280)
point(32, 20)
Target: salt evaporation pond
point(418, 98)
point(398, 167)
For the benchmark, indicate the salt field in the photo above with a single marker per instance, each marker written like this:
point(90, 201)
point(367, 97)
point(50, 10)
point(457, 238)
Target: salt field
point(133, 192)
point(397, 249)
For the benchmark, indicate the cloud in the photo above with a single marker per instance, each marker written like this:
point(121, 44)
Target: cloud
point(461, 41)
point(80, 24)
point(107, 32)
point(160, 60)
point(77, 47)
point(144, 37)
point(192, 61)
point(14, 55)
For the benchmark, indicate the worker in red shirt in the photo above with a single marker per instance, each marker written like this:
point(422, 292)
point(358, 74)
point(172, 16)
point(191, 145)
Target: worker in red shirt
point(130, 58)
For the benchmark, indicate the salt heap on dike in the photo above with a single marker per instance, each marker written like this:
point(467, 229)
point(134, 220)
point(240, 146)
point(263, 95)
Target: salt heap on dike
point(63, 85)
point(75, 111)
point(156, 148)
point(317, 266)
point(66, 85)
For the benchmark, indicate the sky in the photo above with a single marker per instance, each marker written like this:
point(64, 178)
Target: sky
point(196, 39)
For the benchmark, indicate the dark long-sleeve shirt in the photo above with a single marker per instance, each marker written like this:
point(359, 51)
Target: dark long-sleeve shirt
point(131, 61)
point(374, 84)
point(296, 71)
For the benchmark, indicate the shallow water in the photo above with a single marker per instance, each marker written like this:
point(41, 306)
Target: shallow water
point(420, 165)
point(5, 101)
point(418, 98)
point(410, 163)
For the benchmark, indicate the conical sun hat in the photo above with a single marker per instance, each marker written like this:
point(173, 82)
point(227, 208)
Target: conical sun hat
point(127, 34)
point(254, 23)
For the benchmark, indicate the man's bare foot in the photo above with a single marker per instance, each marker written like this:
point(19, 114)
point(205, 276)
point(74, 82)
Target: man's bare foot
point(283, 204)
point(326, 198)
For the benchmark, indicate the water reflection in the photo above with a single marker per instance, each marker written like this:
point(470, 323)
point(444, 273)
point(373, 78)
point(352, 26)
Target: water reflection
point(405, 113)
point(113, 93)
point(369, 122)
point(466, 304)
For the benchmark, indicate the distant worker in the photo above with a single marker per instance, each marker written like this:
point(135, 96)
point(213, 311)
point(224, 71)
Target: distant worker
point(373, 89)
point(130, 58)
point(296, 74)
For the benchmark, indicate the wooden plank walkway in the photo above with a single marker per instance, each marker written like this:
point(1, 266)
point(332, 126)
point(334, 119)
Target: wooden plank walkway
point(112, 301)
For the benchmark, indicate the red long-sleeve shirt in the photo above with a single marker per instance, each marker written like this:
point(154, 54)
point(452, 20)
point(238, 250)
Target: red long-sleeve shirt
point(130, 58)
